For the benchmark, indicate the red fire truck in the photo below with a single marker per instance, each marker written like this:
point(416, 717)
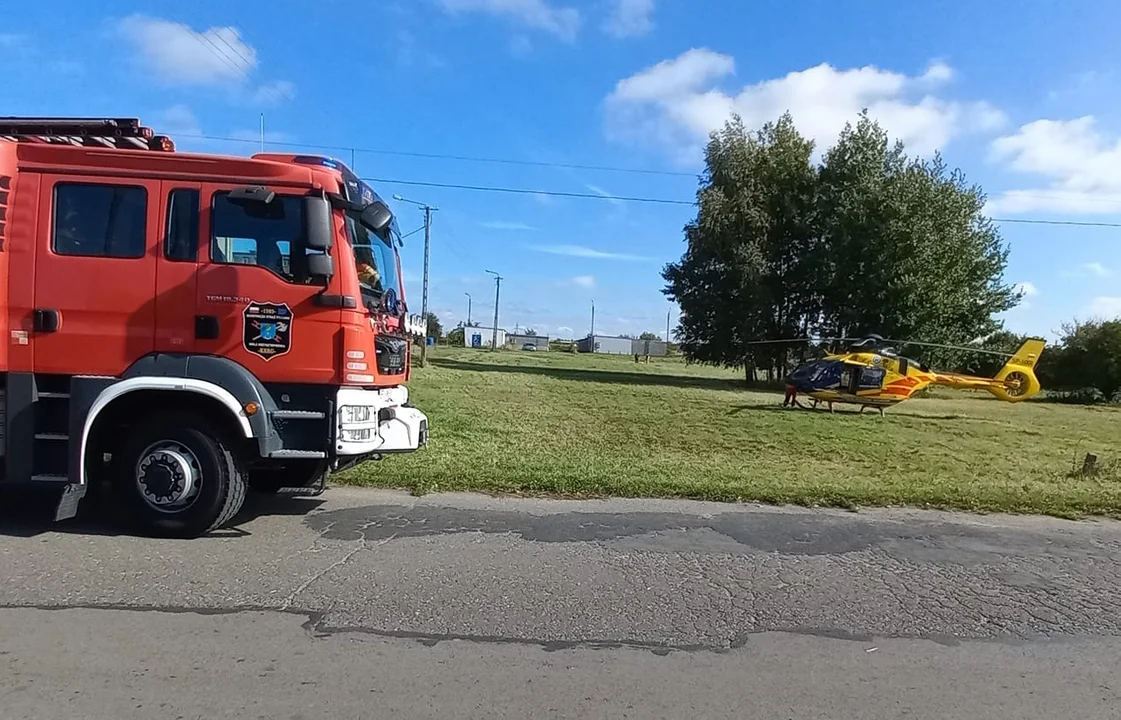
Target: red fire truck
point(181, 327)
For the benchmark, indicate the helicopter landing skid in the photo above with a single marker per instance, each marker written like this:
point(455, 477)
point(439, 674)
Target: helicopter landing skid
point(797, 404)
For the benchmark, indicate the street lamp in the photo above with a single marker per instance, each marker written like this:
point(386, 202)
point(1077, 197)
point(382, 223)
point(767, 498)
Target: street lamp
point(497, 285)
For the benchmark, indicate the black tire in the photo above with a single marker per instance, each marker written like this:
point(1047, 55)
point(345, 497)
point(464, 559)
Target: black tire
point(218, 480)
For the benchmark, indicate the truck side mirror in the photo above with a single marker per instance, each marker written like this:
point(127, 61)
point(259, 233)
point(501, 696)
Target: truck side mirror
point(321, 230)
point(376, 216)
point(321, 267)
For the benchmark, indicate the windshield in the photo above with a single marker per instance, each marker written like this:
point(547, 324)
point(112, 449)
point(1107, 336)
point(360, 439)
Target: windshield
point(375, 260)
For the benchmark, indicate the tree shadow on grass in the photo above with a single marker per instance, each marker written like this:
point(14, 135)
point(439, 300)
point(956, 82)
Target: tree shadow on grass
point(608, 377)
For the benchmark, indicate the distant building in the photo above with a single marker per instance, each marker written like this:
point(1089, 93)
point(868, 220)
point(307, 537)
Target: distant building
point(653, 348)
point(604, 344)
point(481, 337)
point(517, 341)
point(613, 345)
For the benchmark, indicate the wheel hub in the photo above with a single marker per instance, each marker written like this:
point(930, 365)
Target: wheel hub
point(167, 476)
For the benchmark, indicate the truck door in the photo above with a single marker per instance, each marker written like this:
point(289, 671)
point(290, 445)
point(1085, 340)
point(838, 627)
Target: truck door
point(95, 274)
point(253, 292)
point(177, 328)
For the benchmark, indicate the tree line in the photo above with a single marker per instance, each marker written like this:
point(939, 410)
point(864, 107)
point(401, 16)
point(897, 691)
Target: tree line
point(865, 240)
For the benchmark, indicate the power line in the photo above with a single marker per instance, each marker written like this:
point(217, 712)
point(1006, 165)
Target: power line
point(461, 158)
point(528, 191)
point(670, 201)
point(559, 193)
point(1057, 222)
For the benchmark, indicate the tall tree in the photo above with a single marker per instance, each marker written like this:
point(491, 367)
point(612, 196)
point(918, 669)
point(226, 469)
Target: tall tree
point(435, 329)
point(910, 253)
point(743, 276)
point(869, 241)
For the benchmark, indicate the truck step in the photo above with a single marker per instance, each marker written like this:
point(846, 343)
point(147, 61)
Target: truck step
point(51, 436)
point(49, 478)
point(313, 491)
point(294, 454)
point(58, 395)
point(298, 414)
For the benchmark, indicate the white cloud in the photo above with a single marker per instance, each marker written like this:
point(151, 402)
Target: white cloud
point(630, 18)
point(584, 281)
point(1027, 290)
point(585, 252)
point(180, 54)
point(564, 22)
point(505, 225)
point(177, 54)
point(677, 102)
point(564, 331)
point(1105, 307)
point(1080, 167)
point(274, 93)
point(604, 194)
point(1090, 269)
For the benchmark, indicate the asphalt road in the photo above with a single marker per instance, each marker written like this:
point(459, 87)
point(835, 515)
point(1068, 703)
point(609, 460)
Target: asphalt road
point(377, 604)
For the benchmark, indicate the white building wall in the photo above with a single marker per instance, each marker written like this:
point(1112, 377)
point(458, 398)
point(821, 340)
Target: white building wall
point(612, 345)
point(481, 337)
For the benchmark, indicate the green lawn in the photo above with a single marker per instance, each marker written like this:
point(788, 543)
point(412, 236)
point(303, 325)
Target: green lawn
point(557, 423)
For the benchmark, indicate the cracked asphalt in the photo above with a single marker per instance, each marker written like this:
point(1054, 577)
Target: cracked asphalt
point(374, 604)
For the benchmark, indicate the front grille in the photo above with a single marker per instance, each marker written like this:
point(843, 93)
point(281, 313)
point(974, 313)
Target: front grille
point(391, 352)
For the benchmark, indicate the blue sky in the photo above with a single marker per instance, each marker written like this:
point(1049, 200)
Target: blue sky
point(1023, 97)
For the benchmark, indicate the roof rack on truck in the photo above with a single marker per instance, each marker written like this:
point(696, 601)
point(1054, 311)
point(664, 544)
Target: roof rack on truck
point(118, 133)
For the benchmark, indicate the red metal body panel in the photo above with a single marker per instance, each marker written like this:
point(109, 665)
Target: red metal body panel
point(115, 310)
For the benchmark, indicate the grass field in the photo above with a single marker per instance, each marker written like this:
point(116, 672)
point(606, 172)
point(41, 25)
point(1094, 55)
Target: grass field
point(557, 423)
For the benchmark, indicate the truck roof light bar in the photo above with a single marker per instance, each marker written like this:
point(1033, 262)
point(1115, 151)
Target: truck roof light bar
point(117, 133)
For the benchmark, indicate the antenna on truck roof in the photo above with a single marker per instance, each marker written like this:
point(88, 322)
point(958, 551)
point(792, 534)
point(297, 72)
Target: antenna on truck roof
point(118, 133)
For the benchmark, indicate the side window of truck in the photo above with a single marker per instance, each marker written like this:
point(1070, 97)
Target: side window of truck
point(182, 241)
point(272, 238)
point(100, 220)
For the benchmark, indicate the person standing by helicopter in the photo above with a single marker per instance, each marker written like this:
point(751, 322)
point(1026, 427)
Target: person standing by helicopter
point(791, 398)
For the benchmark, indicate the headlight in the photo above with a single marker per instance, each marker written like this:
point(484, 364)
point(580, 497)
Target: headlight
point(364, 435)
point(353, 414)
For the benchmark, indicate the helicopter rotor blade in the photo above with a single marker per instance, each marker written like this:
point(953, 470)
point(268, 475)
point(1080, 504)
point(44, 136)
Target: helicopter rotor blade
point(779, 341)
point(944, 346)
point(882, 341)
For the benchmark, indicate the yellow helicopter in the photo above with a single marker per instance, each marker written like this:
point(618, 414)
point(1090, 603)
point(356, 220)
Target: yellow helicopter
point(871, 374)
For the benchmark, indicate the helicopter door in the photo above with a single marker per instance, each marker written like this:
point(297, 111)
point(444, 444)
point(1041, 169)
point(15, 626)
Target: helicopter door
point(863, 379)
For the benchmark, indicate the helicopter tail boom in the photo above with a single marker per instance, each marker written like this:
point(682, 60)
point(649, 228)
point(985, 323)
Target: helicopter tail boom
point(1014, 382)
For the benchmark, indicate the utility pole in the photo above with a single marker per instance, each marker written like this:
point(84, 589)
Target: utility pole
point(262, 132)
point(424, 293)
point(468, 309)
point(497, 285)
point(593, 334)
point(667, 327)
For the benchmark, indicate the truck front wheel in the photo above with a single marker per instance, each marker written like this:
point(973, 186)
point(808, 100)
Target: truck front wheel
point(179, 476)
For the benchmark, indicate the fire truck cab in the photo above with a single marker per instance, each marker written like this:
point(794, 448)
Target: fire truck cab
point(182, 327)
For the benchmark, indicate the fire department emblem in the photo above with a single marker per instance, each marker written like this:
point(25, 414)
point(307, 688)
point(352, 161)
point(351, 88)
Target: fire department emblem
point(268, 329)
